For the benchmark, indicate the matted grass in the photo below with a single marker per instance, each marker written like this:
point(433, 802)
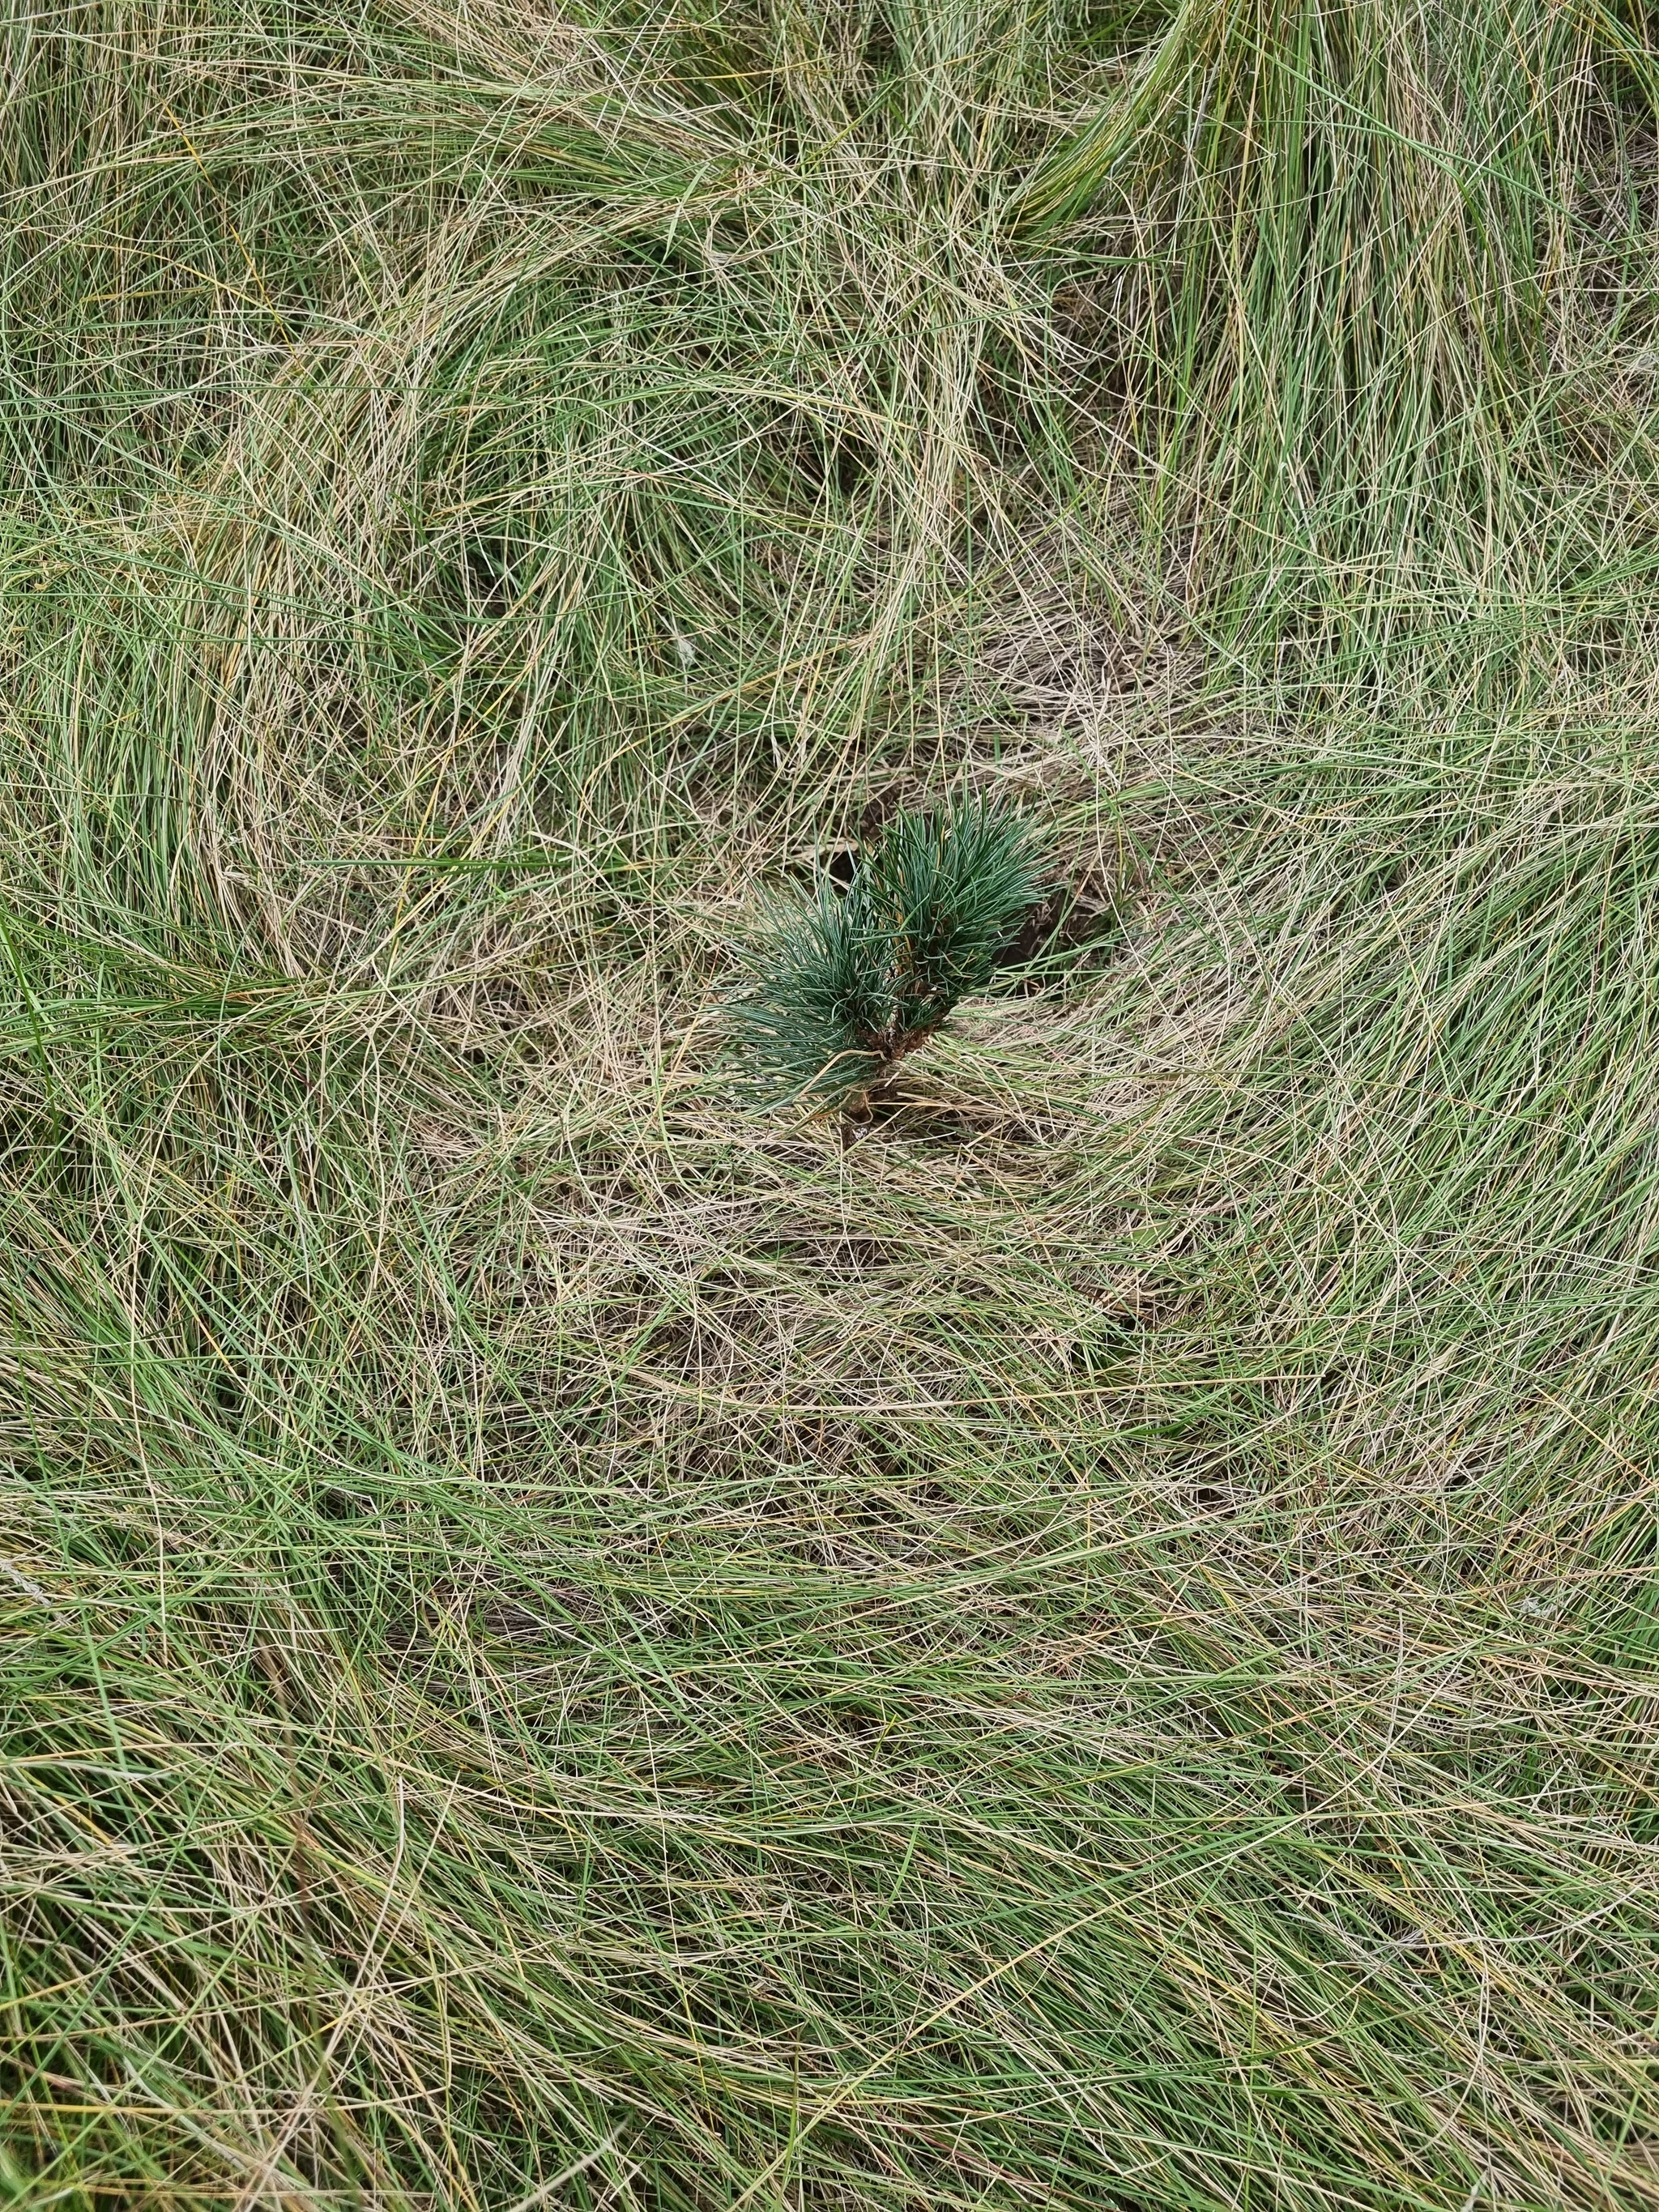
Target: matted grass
point(568, 1642)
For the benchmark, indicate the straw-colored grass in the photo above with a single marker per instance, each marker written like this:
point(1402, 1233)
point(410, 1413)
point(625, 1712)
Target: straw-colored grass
point(1094, 1643)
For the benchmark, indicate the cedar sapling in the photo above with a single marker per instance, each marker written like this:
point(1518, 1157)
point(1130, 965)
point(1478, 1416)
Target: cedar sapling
point(843, 983)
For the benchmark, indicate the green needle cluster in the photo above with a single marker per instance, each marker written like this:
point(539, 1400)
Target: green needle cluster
point(847, 981)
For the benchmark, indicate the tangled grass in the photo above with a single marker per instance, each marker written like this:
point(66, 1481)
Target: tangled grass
point(565, 1645)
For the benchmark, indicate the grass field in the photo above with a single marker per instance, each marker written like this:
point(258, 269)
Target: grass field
point(1094, 1642)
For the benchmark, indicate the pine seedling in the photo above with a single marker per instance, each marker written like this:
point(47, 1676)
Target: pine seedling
point(844, 983)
